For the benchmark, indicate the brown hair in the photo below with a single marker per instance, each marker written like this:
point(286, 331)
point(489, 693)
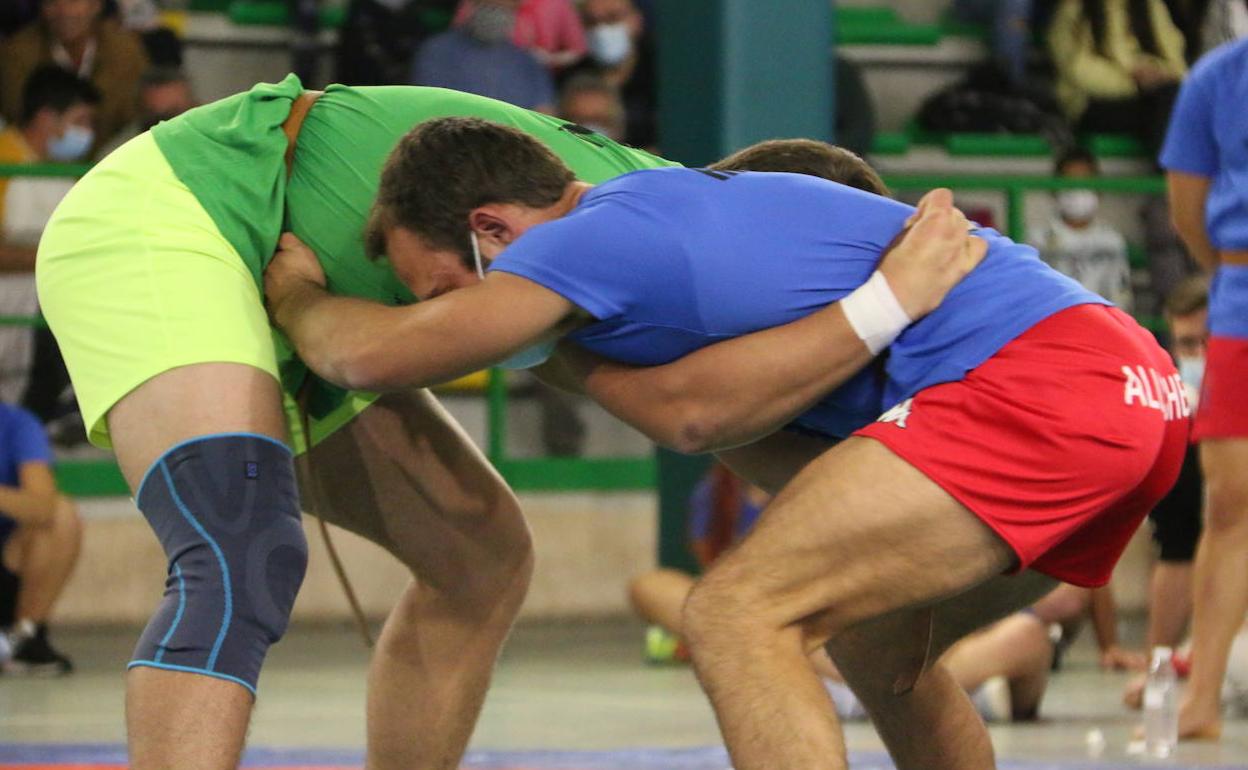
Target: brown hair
point(1191, 295)
point(806, 156)
point(444, 168)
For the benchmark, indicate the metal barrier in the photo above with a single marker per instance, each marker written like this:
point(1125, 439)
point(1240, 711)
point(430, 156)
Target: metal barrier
point(101, 477)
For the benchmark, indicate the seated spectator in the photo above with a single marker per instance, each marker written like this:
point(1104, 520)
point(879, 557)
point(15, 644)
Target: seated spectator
point(40, 535)
point(589, 100)
point(1119, 63)
point(1177, 518)
point(54, 125)
point(622, 52)
point(479, 57)
point(163, 94)
point(72, 34)
point(1077, 243)
point(549, 29)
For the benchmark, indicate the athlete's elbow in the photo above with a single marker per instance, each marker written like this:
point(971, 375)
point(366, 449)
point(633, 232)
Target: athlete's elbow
point(694, 432)
point(365, 369)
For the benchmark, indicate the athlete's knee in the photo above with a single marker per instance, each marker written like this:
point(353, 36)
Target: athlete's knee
point(226, 511)
point(723, 612)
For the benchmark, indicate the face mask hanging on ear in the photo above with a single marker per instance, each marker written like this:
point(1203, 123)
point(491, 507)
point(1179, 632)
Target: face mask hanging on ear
point(532, 356)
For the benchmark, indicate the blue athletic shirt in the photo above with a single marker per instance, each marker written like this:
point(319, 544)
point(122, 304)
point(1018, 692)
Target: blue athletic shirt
point(22, 440)
point(672, 260)
point(1208, 136)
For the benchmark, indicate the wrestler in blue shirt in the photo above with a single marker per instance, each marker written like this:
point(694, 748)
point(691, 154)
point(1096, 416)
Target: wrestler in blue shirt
point(671, 260)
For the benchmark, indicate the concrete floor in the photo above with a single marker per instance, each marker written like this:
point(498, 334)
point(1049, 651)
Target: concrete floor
point(559, 686)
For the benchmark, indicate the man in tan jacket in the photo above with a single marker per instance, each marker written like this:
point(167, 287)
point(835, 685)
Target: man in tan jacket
point(74, 35)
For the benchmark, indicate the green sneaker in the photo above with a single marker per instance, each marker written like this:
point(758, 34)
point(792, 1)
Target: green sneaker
point(664, 647)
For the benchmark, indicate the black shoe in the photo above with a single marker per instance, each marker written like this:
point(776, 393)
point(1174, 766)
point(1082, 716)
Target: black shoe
point(35, 656)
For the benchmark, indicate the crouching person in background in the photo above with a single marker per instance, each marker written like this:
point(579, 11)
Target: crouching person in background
point(40, 535)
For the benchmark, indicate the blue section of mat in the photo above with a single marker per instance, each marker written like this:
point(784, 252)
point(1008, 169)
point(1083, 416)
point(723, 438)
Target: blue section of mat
point(713, 758)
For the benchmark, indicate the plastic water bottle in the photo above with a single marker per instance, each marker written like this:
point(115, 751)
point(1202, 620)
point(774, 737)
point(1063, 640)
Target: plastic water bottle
point(1161, 705)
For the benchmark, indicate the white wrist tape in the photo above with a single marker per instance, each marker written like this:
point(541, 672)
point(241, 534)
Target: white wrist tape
point(874, 313)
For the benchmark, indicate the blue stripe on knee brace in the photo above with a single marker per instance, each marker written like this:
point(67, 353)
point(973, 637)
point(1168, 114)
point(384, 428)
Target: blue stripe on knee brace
point(225, 509)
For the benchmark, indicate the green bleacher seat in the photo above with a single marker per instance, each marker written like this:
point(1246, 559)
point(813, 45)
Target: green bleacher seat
point(866, 14)
point(880, 25)
point(891, 143)
point(1137, 256)
point(891, 34)
point(1114, 146)
point(277, 13)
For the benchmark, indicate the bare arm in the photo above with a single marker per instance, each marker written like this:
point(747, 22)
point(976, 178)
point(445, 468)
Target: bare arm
point(32, 501)
point(364, 345)
point(730, 393)
point(739, 390)
point(1187, 194)
point(1105, 624)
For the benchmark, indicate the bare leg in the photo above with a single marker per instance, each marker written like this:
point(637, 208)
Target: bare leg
point(1017, 648)
point(1169, 603)
point(931, 725)
point(1220, 584)
point(1169, 607)
point(404, 475)
point(174, 719)
point(857, 535)
point(48, 556)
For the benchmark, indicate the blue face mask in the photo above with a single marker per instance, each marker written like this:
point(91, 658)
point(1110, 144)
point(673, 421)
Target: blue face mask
point(1192, 371)
point(71, 145)
point(534, 355)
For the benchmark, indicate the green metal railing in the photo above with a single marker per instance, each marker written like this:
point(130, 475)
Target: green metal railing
point(101, 477)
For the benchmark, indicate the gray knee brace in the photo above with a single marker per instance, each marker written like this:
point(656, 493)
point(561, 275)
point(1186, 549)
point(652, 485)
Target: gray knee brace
point(226, 511)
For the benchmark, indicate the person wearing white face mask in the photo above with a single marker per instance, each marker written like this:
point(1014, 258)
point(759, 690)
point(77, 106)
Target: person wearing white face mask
point(54, 126)
point(1076, 243)
point(621, 53)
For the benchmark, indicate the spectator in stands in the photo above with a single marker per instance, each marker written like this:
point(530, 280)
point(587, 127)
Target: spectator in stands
point(589, 100)
point(163, 94)
point(479, 57)
point(40, 535)
point(379, 38)
point(1176, 519)
point(622, 52)
point(54, 125)
point(549, 29)
point(1119, 64)
point(73, 35)
point(1077, 243)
